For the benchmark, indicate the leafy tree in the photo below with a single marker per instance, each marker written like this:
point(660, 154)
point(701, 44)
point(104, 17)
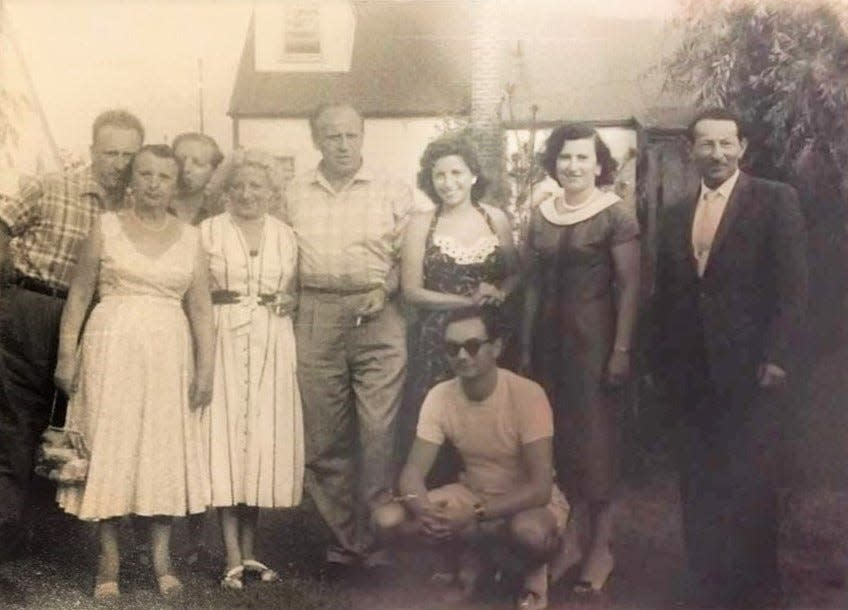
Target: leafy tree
point(782, 65)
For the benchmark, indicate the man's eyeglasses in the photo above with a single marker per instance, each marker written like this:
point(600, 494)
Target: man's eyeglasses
point(471, 347)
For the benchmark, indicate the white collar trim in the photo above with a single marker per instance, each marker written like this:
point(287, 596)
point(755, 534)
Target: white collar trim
point(597, 203)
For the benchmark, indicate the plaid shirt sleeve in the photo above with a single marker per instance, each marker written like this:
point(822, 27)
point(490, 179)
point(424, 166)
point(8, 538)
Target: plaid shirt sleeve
point(20, 212)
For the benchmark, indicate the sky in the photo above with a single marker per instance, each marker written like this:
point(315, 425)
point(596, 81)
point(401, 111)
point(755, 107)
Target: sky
point(88, 55)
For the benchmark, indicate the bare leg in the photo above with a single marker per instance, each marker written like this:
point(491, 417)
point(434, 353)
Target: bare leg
point(534, 532)
point(109, 561)
point(160, 545)
point(599, 561)
point(230, 534)
point(248, 518)
point(568, 553)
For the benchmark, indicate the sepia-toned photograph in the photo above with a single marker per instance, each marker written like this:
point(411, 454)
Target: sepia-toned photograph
point(424, 304)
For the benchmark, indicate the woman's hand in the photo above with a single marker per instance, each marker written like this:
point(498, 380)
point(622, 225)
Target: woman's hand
point(488, 294)
point(618, 368)
point(200, 393)
point(65, 375)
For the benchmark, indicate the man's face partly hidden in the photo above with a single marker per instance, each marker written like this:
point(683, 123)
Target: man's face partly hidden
point(111, 153)
point(470, 351)
point(338, 135)
point(716, 150)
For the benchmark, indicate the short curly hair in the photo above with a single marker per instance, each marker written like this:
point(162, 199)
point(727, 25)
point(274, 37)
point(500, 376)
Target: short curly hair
point(253, 157)
point(445, 146)
point(161, 151)
point(578, 131)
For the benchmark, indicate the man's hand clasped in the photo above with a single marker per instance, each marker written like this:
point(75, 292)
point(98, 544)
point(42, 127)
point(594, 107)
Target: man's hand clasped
point(440, 522)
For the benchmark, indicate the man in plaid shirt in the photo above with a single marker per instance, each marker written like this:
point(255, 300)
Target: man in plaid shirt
point(41, 230)
point(351, 336)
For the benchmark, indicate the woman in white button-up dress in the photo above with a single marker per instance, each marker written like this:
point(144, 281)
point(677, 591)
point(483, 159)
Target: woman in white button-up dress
point(254, 423)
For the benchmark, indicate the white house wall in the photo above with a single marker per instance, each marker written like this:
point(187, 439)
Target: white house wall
point(393, 145)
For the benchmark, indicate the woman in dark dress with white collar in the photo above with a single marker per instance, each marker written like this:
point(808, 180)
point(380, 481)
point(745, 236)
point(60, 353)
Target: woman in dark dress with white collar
point(580, 310)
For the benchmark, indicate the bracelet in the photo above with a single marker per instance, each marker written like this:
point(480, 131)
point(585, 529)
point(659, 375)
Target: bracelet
point(623, 350)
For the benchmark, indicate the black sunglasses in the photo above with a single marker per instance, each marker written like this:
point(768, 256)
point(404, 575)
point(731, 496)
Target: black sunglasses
point(471, 346)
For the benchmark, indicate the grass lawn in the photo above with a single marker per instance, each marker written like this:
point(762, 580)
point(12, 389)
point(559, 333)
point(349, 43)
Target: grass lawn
point(58, 572)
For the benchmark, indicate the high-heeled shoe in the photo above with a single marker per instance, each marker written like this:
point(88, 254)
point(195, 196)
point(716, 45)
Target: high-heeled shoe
point(590, 586)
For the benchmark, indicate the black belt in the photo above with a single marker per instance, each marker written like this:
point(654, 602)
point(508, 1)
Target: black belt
point(339, 291)
point(230, 297)
point(40, 286)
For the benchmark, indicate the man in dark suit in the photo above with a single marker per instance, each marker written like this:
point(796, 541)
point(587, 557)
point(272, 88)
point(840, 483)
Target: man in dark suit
point(730, 300)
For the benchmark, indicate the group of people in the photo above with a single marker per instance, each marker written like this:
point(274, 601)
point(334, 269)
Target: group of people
point(218, 355)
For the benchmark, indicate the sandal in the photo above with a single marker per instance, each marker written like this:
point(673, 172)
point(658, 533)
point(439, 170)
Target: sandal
point(265, 573)
point(233, 579)
point(106, 590)
point(169, 585)
point(530, 600)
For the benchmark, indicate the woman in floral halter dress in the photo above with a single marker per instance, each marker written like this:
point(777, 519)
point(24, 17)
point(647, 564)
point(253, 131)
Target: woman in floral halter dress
point(460, 253)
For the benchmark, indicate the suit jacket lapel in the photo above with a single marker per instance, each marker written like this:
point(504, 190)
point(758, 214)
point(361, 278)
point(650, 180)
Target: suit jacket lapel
point(731, 211)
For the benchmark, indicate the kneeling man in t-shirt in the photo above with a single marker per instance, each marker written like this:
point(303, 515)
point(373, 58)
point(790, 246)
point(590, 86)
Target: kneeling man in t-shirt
point(502, 426)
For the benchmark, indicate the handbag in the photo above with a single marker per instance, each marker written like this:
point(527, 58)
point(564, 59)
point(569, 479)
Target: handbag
point(62, 454)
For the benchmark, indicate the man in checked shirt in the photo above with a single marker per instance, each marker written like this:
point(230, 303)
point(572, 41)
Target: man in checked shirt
point(350, 333)
point(41, 229)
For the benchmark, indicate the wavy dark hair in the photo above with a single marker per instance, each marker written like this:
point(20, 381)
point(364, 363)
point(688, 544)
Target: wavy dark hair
point(446, 146)
point(489, 315)
point(578, 131)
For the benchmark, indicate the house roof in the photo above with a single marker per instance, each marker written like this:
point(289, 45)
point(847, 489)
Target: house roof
point(414, 59)
point(408, 60)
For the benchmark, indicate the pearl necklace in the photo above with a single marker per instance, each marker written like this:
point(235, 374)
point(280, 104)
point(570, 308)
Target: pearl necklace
point(156, 229)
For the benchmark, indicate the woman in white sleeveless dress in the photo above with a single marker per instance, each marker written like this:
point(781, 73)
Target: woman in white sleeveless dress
point(254, 425)
point(136, 390)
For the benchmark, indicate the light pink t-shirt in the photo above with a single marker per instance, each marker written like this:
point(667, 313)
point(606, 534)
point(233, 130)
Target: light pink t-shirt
point(489, 434)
